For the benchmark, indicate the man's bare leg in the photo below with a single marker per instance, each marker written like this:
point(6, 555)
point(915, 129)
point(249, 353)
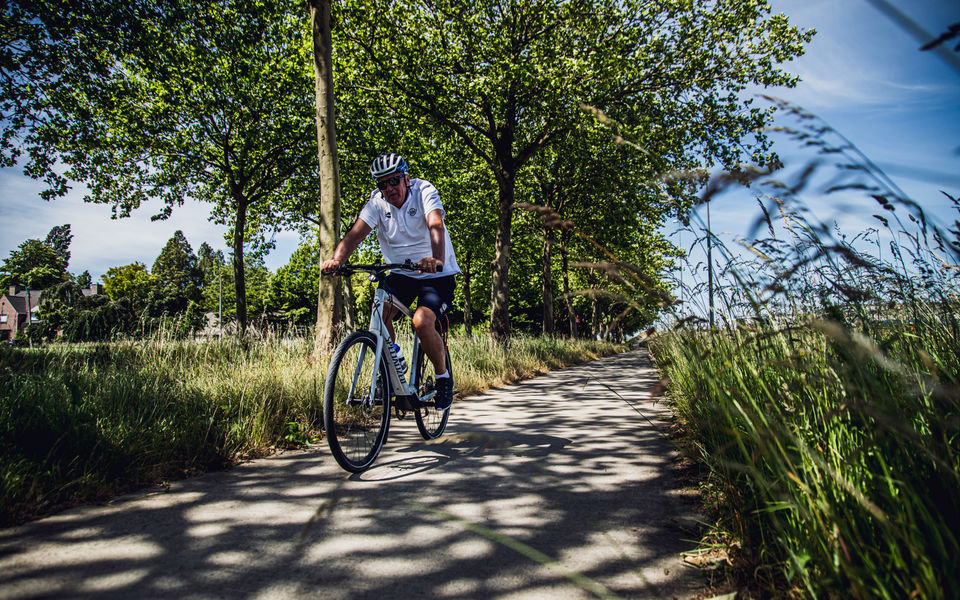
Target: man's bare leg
point(424, 321)
point(389, 312)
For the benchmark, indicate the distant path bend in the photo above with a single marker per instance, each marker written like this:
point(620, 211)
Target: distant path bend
point(557, 487)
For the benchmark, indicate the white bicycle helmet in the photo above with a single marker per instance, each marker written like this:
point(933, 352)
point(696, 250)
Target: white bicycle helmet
point(388, 164)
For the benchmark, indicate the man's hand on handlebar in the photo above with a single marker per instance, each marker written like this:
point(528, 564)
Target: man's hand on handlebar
point(430, 265)
point(329, 267)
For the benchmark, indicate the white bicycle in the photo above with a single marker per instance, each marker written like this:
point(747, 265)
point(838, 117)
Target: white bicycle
point(366, 379)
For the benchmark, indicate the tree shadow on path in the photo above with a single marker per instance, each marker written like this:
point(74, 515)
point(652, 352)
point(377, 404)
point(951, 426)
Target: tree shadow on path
point(551, 488)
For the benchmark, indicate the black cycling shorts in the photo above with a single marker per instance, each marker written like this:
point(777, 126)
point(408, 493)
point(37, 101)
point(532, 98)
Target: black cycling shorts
point(435, 293)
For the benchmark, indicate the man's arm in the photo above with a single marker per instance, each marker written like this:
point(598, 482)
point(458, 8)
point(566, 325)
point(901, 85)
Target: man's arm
point(347, 245)
point(437, 243)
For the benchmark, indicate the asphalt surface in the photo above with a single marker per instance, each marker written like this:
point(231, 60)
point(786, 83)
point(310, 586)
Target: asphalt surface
point(558, 487)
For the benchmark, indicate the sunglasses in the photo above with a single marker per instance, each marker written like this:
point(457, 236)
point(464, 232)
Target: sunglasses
point(392, 182)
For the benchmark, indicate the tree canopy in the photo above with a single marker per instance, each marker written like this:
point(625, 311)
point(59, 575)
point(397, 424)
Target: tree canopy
point(497, 102)
point(509, 78)
point(293, 289)
point(212, 102)
point(39, 264)
point(133, 282)
point(50, 48)
point(178, 274)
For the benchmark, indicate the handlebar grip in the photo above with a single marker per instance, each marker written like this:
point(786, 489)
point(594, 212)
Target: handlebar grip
point(341, 270)
point(415, 268)
point(409, 265)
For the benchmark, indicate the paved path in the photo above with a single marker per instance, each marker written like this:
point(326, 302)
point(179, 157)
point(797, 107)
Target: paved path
point(558, 487)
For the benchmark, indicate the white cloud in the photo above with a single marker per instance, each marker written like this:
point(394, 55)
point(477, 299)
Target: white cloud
point(860, 57)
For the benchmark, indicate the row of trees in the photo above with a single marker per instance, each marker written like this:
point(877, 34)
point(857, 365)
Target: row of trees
point(134, 299)
point(496, 101)
point(176, 291)
point(182, 286)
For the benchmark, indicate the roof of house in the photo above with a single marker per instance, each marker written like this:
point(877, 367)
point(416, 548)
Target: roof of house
point(94, 290)
point(20, 300)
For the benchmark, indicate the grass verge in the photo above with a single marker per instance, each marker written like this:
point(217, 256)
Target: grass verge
point(834, 460)
point(820, 386)
point(84, 422)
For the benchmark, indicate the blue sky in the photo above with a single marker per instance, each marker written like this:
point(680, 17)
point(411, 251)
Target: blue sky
point(865, 76)
point(862, 74)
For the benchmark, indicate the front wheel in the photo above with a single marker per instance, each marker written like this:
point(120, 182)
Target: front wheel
point(430, 421)
point(356, 402)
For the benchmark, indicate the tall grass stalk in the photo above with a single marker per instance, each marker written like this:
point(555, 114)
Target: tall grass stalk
point(81, 422)
point(827, 406)
point(837, 463)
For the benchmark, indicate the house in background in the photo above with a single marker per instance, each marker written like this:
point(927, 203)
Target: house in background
point(95, 289)
point(18, 309)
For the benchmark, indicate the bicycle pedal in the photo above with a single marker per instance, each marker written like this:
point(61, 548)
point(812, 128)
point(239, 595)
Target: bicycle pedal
point(407, 403)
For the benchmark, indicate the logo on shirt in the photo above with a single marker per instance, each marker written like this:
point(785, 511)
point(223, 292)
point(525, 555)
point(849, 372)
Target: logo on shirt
point(412, 211)
point(389, 215)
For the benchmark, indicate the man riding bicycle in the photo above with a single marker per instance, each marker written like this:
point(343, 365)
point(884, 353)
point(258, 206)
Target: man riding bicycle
point(408, 216)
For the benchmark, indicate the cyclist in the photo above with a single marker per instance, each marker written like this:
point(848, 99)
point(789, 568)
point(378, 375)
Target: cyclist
point(408, 216)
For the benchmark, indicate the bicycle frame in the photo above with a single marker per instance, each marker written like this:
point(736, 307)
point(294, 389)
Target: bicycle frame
point(356, 433)
point(378, 328)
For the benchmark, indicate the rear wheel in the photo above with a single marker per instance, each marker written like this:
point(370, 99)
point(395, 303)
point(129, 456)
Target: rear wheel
point(356, 405)
point(430, 421)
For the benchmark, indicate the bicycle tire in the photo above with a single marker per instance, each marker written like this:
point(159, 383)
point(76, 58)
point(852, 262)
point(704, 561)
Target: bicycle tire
point(430, 421)
point(356, 423)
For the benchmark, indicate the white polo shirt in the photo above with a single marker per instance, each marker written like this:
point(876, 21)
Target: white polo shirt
point(403, 232)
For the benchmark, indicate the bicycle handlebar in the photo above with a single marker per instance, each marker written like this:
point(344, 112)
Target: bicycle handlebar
point(348, 269)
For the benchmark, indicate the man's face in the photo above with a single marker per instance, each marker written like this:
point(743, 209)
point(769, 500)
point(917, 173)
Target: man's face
point(394, 188)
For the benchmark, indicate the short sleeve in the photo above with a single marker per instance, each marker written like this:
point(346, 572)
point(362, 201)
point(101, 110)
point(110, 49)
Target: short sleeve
point(430, 198)
point(368, 214)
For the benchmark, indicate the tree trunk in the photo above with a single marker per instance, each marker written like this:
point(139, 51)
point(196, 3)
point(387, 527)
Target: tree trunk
point(239, 272)
point(547, 281)
point(467, 324)
point(329, 299)
point(565, 268)
point(500, 280)
point(595, 325)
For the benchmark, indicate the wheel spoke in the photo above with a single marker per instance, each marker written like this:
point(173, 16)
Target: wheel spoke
point(356, 403)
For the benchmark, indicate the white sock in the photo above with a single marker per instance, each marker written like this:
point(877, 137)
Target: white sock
point(444, 374)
